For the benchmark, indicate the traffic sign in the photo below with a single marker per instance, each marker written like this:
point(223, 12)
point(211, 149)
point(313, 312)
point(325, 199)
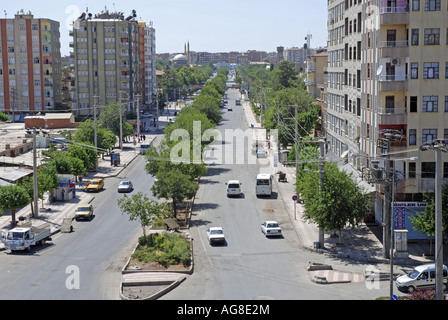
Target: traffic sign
point(294, 198)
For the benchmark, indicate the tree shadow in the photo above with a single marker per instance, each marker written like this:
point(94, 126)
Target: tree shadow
point(204, 206)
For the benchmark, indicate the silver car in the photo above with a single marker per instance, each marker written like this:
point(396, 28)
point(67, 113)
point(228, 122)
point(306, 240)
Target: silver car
point(125, 186)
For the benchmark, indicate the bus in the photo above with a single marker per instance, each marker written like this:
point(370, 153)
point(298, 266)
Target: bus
point(263, 185)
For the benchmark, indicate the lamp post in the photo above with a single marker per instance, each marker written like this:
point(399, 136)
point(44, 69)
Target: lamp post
point(439, 146)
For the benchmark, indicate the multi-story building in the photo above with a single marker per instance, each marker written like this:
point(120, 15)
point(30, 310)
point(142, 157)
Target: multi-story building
point(387, 89)
point(114, 61)
point(30, 64)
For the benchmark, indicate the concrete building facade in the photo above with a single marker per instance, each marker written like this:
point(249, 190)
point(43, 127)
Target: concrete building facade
point(30, 64)
point(387, 91)
point(114, 61)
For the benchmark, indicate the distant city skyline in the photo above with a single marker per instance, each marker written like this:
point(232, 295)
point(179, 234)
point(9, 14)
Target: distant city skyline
point(209, 26)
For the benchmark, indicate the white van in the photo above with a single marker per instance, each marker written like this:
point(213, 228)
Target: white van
point(421, 277)
point(263, 186)
point(233, 188)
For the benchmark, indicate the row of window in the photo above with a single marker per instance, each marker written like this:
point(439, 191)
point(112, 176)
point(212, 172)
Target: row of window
point(428, 136)
point(428, 170)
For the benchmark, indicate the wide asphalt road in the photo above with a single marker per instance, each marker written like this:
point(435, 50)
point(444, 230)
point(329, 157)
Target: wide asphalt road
point(249, 265)
point(96, 250)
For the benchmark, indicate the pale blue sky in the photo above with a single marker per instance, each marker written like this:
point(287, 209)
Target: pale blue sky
point(209, 25)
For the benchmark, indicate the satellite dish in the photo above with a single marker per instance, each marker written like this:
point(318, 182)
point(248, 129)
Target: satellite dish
point(378, 71)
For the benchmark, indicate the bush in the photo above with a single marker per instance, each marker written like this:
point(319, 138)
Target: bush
point(164, 248)
point(429, 294)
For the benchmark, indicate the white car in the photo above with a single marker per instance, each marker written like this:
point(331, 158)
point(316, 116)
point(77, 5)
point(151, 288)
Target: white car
point(125, 186)
point(271, 228)
point(233, 188)
point(216, 235)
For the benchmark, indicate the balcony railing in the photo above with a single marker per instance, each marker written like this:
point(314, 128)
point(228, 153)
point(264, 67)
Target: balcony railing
point(392, 110)
point(393, 77)
point(399, 43)
point(401, 9)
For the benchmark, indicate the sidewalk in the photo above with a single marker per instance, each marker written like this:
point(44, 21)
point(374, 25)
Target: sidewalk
point(362, 244)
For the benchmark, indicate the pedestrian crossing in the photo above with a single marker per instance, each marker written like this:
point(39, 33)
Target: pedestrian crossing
point(332, 276)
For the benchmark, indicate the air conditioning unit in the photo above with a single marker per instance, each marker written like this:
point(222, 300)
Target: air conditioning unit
point(395, 61)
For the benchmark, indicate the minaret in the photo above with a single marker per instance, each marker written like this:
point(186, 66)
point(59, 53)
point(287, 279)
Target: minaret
point(188, 52)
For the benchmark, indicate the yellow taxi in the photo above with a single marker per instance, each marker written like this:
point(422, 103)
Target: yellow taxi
point(96, 184)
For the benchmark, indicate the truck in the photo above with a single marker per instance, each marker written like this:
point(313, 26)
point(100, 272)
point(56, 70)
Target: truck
point(22, 238)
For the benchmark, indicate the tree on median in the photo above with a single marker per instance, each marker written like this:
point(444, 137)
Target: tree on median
point(140, 207)
point(174, 185)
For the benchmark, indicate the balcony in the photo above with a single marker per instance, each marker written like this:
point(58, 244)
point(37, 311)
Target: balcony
point(394, 49)
point(393, 82)
point(392, 116)
point(394, 15)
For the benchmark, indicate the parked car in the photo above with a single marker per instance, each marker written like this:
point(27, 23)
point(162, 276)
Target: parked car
point(84, 212)
point(96, 184)
point(216, 235)
point(421, 277)
point(271, 228)
point(233, 188)
point(125, 186)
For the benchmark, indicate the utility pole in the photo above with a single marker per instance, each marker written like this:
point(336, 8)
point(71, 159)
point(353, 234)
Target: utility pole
point(35, 206)
point(321, 182)
point(121, 124)
point(384, 144)
point(438, 146)
point(138, 114)
point(95, 121)
point(13, 96)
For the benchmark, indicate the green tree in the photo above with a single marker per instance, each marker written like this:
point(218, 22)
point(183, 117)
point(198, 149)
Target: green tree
point(110, 119)
point(85, 133)
point(425, 222)
point(140, 207)
point(338, 203)
point(209, 105)
point(3, 117)
point(174, 185)
point(47, 180)
point(13, 197)
point(85, 152)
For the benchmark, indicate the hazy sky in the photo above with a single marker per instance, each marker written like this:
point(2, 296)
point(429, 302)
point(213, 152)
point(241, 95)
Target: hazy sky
point(209, 25)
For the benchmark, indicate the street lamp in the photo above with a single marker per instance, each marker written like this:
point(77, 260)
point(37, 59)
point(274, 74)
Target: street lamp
point(439, 146)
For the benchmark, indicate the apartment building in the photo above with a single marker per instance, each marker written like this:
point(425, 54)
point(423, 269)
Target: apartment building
point(114, 61)
point(387, 92)
point(30, 64)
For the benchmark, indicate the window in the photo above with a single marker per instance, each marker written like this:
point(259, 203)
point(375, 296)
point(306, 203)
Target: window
point(428, 169)
point(415, 5)
point(432, 36)
point(429, 135)
point(412, 137)
point(414, 37)
point(430, 104)
point(446, 103)
point(414, 70)
point(432, 5)
point(431, 70)
point(412, 169)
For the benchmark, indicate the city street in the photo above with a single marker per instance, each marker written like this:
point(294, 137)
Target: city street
point(96, 251)
point(249, 265)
